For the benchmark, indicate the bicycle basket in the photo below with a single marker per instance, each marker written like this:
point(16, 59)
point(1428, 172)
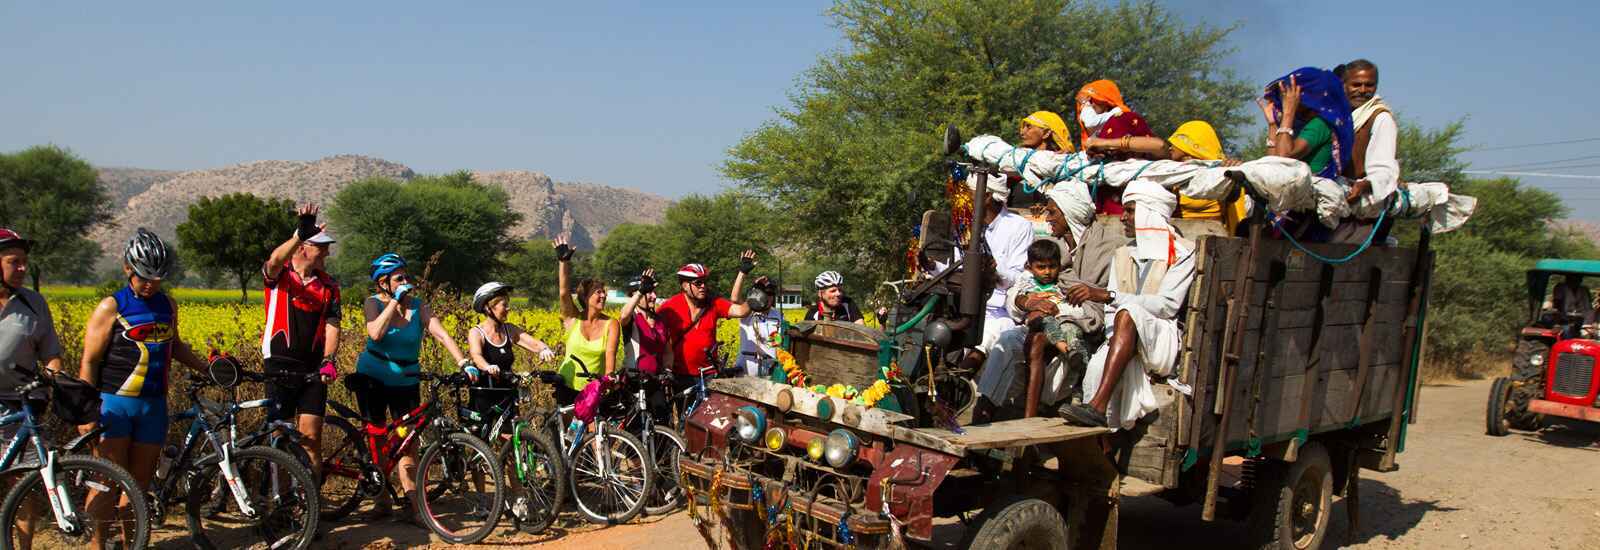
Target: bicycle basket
point(75, 401)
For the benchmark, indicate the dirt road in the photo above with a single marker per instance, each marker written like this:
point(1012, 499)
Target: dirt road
point(1456, 488)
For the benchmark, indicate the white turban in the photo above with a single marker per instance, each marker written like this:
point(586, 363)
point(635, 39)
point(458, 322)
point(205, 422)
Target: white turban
point(1076, 205)
point(1152, 221)
point(998, 190)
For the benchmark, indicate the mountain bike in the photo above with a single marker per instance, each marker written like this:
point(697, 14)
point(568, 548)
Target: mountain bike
point(446, 500)
point(55, 495)
point(536, 480)
point(609, 473)
point(662, 443)
point(273, 497)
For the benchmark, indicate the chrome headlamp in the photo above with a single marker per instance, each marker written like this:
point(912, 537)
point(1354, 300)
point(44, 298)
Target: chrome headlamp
point(749, 423)
point(840, 448)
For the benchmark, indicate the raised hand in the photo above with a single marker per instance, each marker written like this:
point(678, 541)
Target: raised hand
point(1290, 92)
point(564, 251)
point(307, 225)
point(747, 261)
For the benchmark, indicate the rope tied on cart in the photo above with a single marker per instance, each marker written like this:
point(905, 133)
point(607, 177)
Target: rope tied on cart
point(1400, 195)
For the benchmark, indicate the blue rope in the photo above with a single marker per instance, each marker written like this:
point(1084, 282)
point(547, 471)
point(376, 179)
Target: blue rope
point(1337, 261)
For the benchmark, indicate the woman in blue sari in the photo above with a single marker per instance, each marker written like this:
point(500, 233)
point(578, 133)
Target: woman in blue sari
point(1309, 118)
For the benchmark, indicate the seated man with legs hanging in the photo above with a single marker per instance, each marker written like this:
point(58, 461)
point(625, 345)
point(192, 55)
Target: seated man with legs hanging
point(1149, 281)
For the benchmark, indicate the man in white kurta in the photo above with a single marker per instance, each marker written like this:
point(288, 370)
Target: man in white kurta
point(1007, 236)
point(1149, 282)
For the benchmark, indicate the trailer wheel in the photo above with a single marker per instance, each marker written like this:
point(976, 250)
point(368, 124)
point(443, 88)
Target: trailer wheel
point(1294, 502)
point(1020, 523)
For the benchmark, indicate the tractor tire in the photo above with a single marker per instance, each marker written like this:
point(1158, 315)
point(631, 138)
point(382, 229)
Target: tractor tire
point(1495, 421)
point(1019, 523)
point(1522, 363)
point(1293, 502)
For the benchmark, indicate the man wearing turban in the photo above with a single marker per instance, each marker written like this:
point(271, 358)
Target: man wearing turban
point(1148, 283)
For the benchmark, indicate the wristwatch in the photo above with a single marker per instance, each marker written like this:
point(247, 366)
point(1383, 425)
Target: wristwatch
point(1113, 295)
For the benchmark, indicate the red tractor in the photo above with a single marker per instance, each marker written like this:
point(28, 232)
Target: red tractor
point(1553, 372)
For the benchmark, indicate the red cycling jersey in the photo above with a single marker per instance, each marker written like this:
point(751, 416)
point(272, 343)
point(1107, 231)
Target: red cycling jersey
point(296, 311)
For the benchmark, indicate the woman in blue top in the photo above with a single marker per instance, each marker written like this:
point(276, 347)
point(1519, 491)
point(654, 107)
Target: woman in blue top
point(395, 321)
point(129, 344)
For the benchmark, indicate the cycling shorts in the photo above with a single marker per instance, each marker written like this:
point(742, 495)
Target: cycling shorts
point(379, 403)
point(143, 419)
point(291, 398)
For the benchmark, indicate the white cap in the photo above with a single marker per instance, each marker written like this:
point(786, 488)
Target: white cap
point(999, 190)
point(321, 237)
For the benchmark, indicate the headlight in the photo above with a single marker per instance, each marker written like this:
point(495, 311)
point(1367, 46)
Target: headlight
point(1536, 360)
point(775, 439)
point(841, 448)
point(749, 423)
point(814, 449)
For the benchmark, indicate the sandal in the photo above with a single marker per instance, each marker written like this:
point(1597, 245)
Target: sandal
point(1082, 415)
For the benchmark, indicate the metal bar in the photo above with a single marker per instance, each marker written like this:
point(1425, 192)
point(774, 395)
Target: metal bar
point(1232, 344)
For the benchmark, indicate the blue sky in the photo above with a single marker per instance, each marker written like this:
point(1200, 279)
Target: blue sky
point(650, 95)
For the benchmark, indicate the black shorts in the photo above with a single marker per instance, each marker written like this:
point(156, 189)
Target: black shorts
point(379, 402)
point(293, 398)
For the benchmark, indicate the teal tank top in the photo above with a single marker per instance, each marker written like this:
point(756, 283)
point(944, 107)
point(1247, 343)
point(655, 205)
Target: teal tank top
point(393, 360)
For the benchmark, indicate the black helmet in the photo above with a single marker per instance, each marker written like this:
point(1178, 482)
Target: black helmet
point(148, 256)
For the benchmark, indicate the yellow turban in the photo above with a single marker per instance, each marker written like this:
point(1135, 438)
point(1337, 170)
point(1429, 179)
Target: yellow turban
point(1057, 127)
point(1198, 139)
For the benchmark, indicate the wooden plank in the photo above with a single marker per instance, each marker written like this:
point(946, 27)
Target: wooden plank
point(1015, 433)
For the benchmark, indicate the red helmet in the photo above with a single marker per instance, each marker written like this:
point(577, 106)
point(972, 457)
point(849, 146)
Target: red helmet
point(9, 239)
point(692, 271)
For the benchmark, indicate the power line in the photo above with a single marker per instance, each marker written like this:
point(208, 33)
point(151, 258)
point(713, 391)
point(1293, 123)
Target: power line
point(1531, 174)
point(1541, 163)
point(1528, 145)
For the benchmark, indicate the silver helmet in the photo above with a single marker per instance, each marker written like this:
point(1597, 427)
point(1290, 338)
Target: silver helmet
point(148, 256)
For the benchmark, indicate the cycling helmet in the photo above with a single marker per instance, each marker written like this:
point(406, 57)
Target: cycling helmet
point(10, 239)
point(829, 278)
point(386, 264)
point(692, 271)
point(148, 256)
point(480, 299)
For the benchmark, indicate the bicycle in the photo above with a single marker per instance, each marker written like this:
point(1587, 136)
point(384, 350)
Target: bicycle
point(59, 482)
point(663, 444)
point(361, 465)
point(274, 498)
point(535, 474)
point(609, 484)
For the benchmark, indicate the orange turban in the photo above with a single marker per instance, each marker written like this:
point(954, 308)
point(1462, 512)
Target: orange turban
point(1104, 91)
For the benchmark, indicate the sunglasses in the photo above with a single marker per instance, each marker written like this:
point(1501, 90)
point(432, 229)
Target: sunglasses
point(696, 282)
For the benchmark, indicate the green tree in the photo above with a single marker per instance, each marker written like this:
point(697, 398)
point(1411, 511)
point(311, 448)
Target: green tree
point(530, 267)
point(53, 197)
point(465, 221)
point(627, 251)
point(851, 161)
point(234, 234)
point(712, 231)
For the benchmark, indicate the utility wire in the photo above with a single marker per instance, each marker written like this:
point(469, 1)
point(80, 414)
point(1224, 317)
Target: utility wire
point(1528, 145)
point(1531, 174)
point(1542, 163)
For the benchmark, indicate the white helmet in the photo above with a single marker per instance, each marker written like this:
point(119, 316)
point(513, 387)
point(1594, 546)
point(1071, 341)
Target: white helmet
point(480, 299)
point(829, 278)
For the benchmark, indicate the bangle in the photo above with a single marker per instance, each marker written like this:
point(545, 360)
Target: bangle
point(1283, 130)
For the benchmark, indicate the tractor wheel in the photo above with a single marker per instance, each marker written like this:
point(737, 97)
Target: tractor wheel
point(1020, 523)
point(1529, 361)
point(1294, 502)
point(1495, 413)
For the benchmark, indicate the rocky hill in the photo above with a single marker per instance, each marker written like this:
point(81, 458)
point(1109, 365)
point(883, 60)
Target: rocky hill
point(159, 199)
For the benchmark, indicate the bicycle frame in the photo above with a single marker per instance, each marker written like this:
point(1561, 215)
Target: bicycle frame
point(66, 517)
point(224, 449)
point(386, 444)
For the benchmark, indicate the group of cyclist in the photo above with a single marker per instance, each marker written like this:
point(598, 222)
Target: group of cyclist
point(132, 338)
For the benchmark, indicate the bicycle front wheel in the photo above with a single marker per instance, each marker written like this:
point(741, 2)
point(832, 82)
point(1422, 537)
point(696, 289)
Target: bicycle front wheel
point(536, 481)
point(279, 492)
point(345, 471)
point(667, 446)
point(90, 487)
point(460, 491)
point(610, 476)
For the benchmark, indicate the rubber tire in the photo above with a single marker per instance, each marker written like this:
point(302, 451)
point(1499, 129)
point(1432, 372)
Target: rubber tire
point(1495, 422)
point(1018, 522)
point(207, 469)
point(1522, 367)
point(628, 440)
point(353, 451)
point(558, 469)
point(666, 497)
point(136, 498)
point(420, 497)
point(1272, 517)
